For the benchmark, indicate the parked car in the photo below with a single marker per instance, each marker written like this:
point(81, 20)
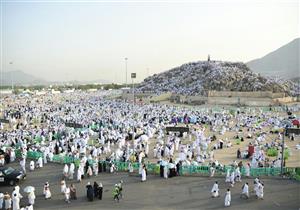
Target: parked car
point(11, 176)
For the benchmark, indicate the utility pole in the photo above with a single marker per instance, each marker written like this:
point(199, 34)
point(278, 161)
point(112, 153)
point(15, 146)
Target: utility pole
point(282, 152)
point(126, 71)
point(133, 76)
point(11, 77)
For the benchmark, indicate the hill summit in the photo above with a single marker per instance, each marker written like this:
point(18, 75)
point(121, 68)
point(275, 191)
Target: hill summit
point(197, 78)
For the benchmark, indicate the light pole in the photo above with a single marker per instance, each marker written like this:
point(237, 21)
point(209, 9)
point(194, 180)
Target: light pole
point(282, 152)
point(11, 77)
point(133, 76)
point(133, 92)
point(126, 71)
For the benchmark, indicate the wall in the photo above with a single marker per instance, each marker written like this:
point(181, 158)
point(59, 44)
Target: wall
point(285, 100)
point(162, 97)
point(129, 96)
point(241, 98)
point(242, 101)
point(256, 94)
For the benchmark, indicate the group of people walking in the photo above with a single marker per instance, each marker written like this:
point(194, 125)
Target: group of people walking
point(12, 201)
point(258, 189)
point(94, 191)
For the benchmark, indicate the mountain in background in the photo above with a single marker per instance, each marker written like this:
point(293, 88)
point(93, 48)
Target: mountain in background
point(283, 62)
point(20, 78)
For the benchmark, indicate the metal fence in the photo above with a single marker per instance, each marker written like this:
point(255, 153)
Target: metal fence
point(154, 168)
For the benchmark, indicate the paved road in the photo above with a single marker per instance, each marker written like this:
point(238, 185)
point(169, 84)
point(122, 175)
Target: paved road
point(175, 193)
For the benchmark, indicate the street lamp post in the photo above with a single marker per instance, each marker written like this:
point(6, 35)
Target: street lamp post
point(133, 76)
point(133, 92)
point(11, 77)
point(126, 71)
point(282, 152)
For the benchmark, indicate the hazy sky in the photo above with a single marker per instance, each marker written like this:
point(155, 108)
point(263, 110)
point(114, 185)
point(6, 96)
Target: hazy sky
point(87, 40)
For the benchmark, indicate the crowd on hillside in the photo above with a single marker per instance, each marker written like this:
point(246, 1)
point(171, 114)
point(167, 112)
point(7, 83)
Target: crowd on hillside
point(197, 78)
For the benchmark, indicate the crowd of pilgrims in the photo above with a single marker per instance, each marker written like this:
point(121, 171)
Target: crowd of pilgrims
point(114, 130)
point(196, 78)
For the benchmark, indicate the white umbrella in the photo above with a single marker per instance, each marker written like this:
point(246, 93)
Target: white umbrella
point(29, 189)
point(144, 137)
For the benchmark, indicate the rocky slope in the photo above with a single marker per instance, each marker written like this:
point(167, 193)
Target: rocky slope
point(196, 78)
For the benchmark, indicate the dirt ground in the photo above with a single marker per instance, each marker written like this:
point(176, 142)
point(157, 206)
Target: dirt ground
point(157, 193)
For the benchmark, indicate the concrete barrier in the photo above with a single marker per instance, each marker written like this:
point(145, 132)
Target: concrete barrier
point(285, 100)
point(254, 94)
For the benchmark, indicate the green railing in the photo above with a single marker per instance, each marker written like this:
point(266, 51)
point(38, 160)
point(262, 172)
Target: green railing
point(154, 168)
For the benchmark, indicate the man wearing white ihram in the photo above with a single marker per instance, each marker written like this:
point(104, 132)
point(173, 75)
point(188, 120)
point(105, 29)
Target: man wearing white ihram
point(144, 174)
point(227, 198)
point(215, 190)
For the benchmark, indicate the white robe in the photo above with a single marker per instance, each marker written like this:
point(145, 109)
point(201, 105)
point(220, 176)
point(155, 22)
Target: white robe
point(130, 168)
point(47, 192)
point(247, 170)
point(71, 171)
point(17, 190)
point(79, 174)
point(31, 198)
point(144, 176)
point(63, 186)
point(23, 165)
point(12, 156)
point(66, 170)
point(212, 171)
point(90, 171)
point(215, 190)
point(232, 177)
point(227, 198)
point(45, 157)
point(50, 155)
point(260, 191)
point(227, 176)
point(1, 199)
point(7, 203)
point(40, 162)
point(95, 168)
point(16, 203)
point(238, 175)
point(245, 190)
point(165, 172)
point(31, 165)
point(30, 207)
point(67, 193)
point(140, 169)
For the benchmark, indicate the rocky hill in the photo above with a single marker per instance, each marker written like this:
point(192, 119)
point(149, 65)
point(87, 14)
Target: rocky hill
point(196, 78)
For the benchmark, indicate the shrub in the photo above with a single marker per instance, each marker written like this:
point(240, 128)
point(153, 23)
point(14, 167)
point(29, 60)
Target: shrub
point(286, 154)
point(272, 152)
point(297, 170)
point(297, 177)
